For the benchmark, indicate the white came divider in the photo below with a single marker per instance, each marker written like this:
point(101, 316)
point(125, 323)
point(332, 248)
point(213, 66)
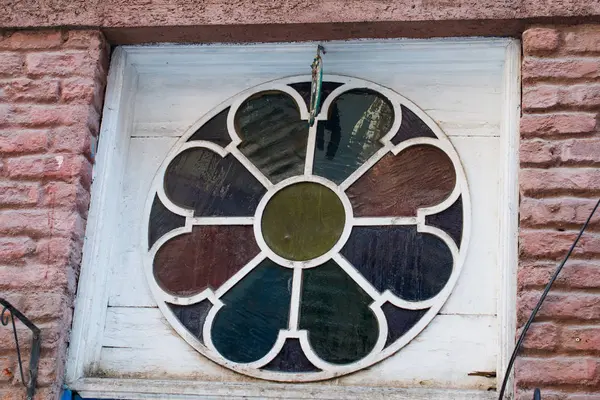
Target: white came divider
point(131, 351)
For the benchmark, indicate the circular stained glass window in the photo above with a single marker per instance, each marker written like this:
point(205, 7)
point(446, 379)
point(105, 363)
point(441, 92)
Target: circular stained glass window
point(296, 253)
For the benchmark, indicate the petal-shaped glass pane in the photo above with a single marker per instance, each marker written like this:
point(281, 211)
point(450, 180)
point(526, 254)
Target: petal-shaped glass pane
point(414, 266)
point(211, 185)
point(357, 120)
point(273, 136)
point(205, 258)
point(255, 310)
point(335, 311)
point(420, 176)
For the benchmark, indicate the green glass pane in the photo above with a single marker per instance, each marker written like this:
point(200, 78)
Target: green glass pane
point(335, 312)
point(255, 310)
point(357, 120)
point(273, 136)
point(303, 221)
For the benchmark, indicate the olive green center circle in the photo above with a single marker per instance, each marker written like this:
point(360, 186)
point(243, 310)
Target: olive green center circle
point(303, 221)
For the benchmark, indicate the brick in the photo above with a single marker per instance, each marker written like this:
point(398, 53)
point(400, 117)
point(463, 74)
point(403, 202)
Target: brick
point(558, 212)
point(58, 251)
point(66, 195)
point(550, 244)
point(576, 274)
point(23, 141)
point(38, 277)
point(558, 371)
point(85, 39)
point(548, 125)
point(537, 152)
point(13, 249)
point(24, 89)
point(62, 63)
point(52, 115)
point(542, 336)
point(580, 96)
point(540, 40)
point(79, 90)
point(581, 338)
point(75, 139)
point(11, 64)
point(558, 69)
point(32, 40)
point(18, 193)
point(580, 151)
point(65, 167)
point(569, 181)
point(585, 39)
point(559, 306)
point(540, 97)
point(41, 223)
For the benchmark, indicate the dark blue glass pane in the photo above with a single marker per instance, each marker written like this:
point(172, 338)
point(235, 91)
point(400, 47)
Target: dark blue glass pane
point(291, 358)
point(304, 89)
point(357, 120)
point(214, 130)
point(255, 310)
point(450, 221)
point(162, 221)
point(399, 320)
point(414, 266)
point(411, 127)
point(192, 316)
point(335, 312)
point(201, 180)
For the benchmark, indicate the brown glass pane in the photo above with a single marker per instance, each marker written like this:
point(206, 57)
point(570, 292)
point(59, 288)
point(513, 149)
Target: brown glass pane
point(162, 221)
point(411, 127)
point(335, 311)
point(414, 266)
point(214, 130)
point(420, 176)
point(303, 221)
point(357, 120)
point(203, 181)
point(450, 221)
point(192, 317)
point(273, 136)
point(206, 257)
point(304, 89)
point(291, 358)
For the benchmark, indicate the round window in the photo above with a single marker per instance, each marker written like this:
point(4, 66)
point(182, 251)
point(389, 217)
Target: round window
point(297, 253)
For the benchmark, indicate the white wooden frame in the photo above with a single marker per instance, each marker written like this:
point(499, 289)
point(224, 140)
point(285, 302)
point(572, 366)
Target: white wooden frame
point(92, 295)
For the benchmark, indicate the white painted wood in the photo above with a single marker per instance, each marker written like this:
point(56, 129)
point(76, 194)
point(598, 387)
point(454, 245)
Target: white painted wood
point(188, 390)
point(460, 83)
point(469, 341)
point(103, 218)
point(509, 208)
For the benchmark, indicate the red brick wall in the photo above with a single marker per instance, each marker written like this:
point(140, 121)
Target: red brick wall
point(51, 91)
point(560, 183)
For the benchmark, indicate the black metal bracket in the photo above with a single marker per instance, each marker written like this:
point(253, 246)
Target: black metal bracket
point(537, 395)
point(9, 312)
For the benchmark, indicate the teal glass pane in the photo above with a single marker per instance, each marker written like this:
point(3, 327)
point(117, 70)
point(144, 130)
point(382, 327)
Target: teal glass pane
point(274, 138)
point(256, 309)
point(335, 311)
point(357, 120)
